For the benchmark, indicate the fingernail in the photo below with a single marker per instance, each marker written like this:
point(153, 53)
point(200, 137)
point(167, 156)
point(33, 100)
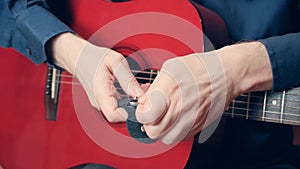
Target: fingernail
point(139, 92)
point(141, 100)
point(122, 112)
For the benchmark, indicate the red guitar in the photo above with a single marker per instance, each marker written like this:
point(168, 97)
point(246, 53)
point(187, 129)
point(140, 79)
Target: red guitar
point(148, 32)
point(41, 124)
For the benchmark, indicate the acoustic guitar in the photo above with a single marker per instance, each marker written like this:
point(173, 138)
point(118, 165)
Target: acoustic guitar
point(46, 119)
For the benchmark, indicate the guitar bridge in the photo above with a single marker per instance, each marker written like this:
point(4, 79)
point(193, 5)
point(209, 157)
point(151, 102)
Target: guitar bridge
point(52, 93)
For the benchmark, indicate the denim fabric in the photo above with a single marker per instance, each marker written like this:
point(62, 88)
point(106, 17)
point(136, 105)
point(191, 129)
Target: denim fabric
point(27, 26)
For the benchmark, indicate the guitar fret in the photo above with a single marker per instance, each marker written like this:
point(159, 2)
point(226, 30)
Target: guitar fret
point(248, 102)
point(282, 106)
point(292, 106)
point(232, 109)
point(264, 106)
point(274, 105)
point(240, 105)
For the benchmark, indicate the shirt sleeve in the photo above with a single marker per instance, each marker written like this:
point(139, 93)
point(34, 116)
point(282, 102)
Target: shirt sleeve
point(27, 25)
point(284, 54)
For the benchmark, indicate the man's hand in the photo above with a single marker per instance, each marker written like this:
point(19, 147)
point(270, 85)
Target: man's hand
point(192, 91)
point(97, 68)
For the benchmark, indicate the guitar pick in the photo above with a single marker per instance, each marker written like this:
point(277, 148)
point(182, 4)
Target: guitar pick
point(134, 128)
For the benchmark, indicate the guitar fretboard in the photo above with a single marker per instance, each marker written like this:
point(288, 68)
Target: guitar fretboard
point(278, 107)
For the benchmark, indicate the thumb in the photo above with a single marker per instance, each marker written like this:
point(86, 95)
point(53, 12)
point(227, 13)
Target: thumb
point(151, 107)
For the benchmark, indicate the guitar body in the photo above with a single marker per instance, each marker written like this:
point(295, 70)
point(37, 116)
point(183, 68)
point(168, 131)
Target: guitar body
point(28, 140)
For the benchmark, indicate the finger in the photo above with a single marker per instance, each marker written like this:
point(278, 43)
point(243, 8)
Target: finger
point(154, 104)
point(145, 87)
point(159, 128)
point(116, 94)
point(178, 132)
point(152, 109)
point(111, 111)
point(108, 103)
point(122, 72)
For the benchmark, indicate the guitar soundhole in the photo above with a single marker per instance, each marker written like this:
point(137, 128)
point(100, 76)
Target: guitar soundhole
point(142, 76)
point(132, 127)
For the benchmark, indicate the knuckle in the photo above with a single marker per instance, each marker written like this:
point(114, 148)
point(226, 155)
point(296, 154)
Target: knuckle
point(170, 62)
point(112, 119)
point(139, 117)
point(116, 58)
point(167, 141)
point(113, 58)
point(153, 134)
point(173, 67)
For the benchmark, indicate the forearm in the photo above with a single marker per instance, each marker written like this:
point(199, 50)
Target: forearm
point(272, 63)
point(65, 49)
point(247, 67)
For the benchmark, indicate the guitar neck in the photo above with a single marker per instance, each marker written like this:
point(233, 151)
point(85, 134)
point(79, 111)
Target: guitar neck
point(277, 107)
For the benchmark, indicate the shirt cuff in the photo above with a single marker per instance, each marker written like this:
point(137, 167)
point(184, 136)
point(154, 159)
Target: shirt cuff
point(35, 26)
point(284, 54)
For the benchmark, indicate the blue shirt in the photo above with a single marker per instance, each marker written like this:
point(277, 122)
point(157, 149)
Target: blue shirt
point(27, 25)
point(276, 23)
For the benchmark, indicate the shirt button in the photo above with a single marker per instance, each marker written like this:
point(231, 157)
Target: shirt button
point(28, 51)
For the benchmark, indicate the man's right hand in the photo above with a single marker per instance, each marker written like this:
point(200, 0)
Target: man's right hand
point(96, 68)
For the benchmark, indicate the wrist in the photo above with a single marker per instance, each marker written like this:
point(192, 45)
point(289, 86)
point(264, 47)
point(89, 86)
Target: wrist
point(65, 49)
point(247, 67)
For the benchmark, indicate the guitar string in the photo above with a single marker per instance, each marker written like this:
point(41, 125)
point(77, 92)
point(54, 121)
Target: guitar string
point(144, 78)
point(71, 76)
point(154, 73)
point(296, 108)
point(133, 71)
point(260, 111)
point(243, 95)
point(261, 104)
point(228, 113)
point(264, 119)
point(235, 107)
point(284, 121)
point(258, 117)
point(258, 104)
point(279, 98)
point(237, 99)
point(270, 105)
point(149, 79)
